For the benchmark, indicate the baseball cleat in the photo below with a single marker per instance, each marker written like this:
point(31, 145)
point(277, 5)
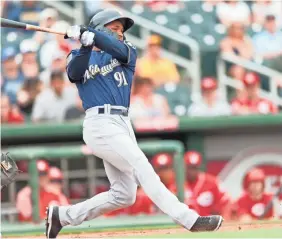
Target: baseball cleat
point(53, 225)
point(209, 223)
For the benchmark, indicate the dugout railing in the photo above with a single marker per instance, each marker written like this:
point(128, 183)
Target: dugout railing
point(76, 152)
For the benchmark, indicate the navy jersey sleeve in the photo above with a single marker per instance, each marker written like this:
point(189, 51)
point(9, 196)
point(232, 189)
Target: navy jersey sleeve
point(123, 51)
point(77, 63)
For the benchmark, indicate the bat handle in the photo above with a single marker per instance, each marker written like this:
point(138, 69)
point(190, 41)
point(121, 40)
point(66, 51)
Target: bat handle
point(83, 28)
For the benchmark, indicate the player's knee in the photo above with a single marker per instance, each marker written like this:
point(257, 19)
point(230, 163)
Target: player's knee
point(125, 197)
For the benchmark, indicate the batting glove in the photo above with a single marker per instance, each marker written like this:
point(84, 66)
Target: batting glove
point(87, 38)
point(73, 32)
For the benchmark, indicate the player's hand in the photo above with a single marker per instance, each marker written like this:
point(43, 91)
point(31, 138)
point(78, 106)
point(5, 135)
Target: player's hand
point(73, 32)
point(87, 38)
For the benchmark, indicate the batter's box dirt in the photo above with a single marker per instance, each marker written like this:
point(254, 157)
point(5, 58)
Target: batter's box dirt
point(252, 230)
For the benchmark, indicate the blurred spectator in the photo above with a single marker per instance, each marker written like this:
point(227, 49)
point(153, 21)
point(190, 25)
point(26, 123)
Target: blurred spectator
point(154, 66)
point(145, 103)
point(23, 11)
point(58, 43)
point(46, 197)
point(202, 191)
point(11, 76)
point(56, 186)
point(237, 43)
point(211, 104)
point(58, 64)
point(163, 165)
point(29, 65)
point(251, 205)
point(75, 112)
point(262, 8)
point(231, 11)
point(27, 94)
point(23, 201)
point(10, 114)
point(52, 103)
point(47, 18)
point(162, 5)
point(251, 102)
point(268, 44)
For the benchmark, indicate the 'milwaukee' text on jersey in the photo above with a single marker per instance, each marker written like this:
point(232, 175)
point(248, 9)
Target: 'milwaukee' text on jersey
point(106, 79)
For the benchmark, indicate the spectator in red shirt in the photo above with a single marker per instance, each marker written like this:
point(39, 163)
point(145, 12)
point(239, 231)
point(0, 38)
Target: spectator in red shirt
point(252, 203)
point(251, 102)
point(23, 201)
point(163, 165)
point(10, 114)
point(202, 191)
point(55, 186)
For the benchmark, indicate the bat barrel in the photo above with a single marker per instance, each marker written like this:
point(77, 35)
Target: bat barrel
point(12, 24)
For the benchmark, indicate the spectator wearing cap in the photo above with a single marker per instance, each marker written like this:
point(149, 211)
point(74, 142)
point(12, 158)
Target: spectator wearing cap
point(237, 43)
point(232, 11)
point(55, 186)
point(268, 44)
point(11, 75)
point(145, 103)
point(29, 65)
point(51, 104)
point(202, 190)
point(23, 201)
point(152, 65)
point(163, 165)
point(10, 114)
point(211, 104)
point(57, 43)
point(253, 201)
point(47, 18)
point(251, 102)
point(58, 64)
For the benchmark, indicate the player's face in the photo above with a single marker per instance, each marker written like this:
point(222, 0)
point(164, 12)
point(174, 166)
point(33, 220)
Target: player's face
point(166, 175)
point(255, 188)
point(192, 173)
point(209, 95)
point(117, 27)
point(252, 90)
point(43, 180)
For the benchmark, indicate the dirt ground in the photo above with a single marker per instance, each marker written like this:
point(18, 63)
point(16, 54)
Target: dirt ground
point(154, 232)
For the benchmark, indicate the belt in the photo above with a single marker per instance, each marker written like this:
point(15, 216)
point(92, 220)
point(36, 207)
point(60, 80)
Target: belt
point(123, 112)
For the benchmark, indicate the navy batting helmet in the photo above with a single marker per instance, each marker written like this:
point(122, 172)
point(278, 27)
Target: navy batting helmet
point(103, 17)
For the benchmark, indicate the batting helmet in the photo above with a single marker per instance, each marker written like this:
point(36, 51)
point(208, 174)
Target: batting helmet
point(255, 175)
point(103, 17)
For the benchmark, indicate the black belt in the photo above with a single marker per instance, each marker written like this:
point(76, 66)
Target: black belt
point(123, 112)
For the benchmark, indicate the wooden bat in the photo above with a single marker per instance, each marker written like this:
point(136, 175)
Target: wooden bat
point(270, 204)
point(21, 25)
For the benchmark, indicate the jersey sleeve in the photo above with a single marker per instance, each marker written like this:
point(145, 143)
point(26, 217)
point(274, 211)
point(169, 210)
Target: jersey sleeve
point(77, 63)
point(123, 51)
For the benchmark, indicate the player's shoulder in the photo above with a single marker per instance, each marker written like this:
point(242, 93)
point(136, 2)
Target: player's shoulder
point(128, 43)
point(73, 53)
point(210, 178)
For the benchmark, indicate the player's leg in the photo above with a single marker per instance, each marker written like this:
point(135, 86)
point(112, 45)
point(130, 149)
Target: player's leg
point(122, 194)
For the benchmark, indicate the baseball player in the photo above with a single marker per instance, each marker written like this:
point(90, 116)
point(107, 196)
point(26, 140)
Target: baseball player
point(103, 70)
point(202, 191)
point(252, 203)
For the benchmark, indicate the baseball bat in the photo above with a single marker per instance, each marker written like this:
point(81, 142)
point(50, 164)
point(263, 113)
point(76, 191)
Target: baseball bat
point(21, 25)
point(270, 204)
